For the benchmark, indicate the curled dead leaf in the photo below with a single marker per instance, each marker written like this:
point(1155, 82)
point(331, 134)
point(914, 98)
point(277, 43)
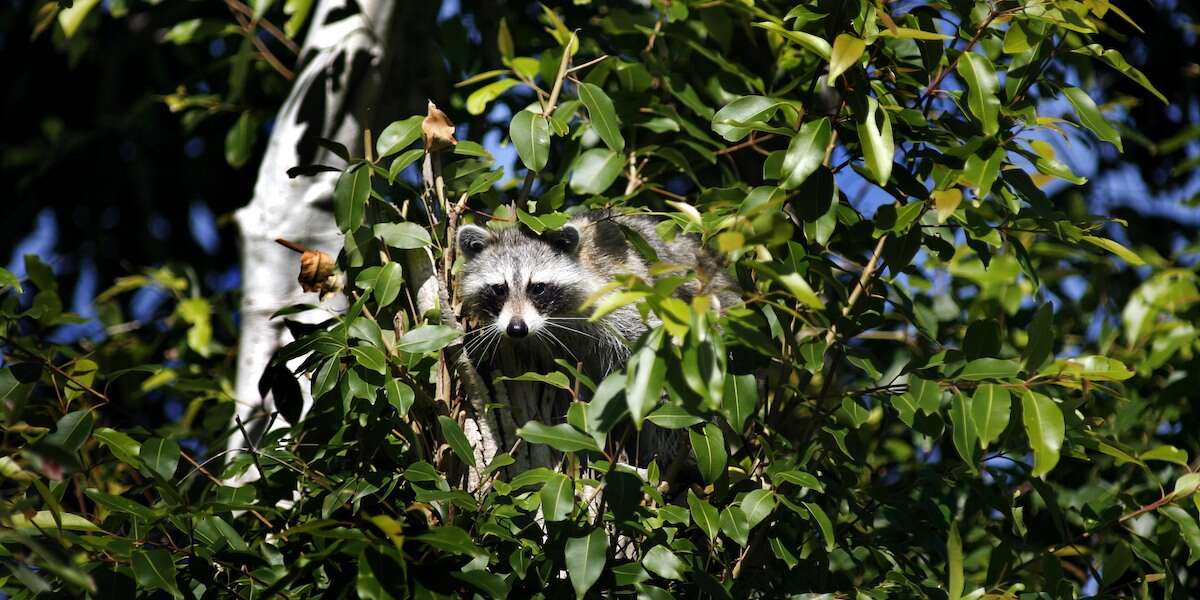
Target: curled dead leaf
point(316, 272)
point(317, 269)
point(437, 130)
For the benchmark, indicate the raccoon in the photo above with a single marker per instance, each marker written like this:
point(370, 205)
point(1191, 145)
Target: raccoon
point(525, 292)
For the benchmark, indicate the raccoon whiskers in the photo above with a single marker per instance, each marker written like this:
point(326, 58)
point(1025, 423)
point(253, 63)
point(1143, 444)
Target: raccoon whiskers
point(552, 322)
point(547, 334)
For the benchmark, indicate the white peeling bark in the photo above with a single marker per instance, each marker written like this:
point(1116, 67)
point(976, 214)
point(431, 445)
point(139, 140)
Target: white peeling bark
point(345, 56)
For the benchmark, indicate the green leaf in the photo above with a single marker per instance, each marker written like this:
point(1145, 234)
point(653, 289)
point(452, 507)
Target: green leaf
point(595, 171)
point(964, 430)
point(405, 236)
point(479, 99)
point(427, 338)
point(670, 416)
point(735, 525)
point(1115, 60)
point(450, 539)
point(388, 284)
point(456, 439)
point(709, 448)
point(401, 162)
point(561, 437)
point(557, 379)
point(644, 381)
point(1090, 117)
point(161, 456)
point(1188, 529)
point(954, 563)
point(808, 41)
point(44, 519)
point(239, 141)
point(980, 76)
point(585, 558)
point(704, 514)
point(805, 153)
point(1169, 454)
point(558, 497)
point(739, 400)
point(602, 115)
point(350, 198)
point(1045, 427)
point(371, 358)
point(876, 138)
point(847, 49)
point(989, 368)
point(530, 133)
point(1186, 485)
point(1115, 248)
point(155, 570)
point(119, 504)
point(824, 523)
point(7, 279)
point(662, 562)
point(1093, 367)
point(758, 505)
point(398, 136)
point(71, 431)
point(731, 122)
point(123, 447)
point(990, 408)
point(982, 171)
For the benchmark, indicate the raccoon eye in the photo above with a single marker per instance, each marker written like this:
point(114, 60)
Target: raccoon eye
point(499, 289)
point(537, 288)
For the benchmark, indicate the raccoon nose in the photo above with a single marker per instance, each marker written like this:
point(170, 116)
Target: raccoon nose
point(517, 328)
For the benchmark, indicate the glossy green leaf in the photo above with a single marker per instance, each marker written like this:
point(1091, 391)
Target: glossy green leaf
point(1115, 60)
point(427, 338)
point(735, 525)
point(704, 515)
point(847, 49)
point(1045, 428)
point(71, 431)
point(664, 563)
point(350, 198)
point(558, 497)
point(739, 400)
point(478, 101)
point(990, 408)
point(530, 133)
point(595, 171)
point(456, 439)
point(708, 446)
point(155, 570)
point(824, 523)
point(585, 558)
point(398, 136)
point(805, 153)
point(954, 564)
point(758, 505)
point(403, 236)
point(982, 102)
point(602, 116)
point(161, 456)
point(877, 145)
point(989, 368)
point(1090, 117)
point(388, 284)
point(561, 437)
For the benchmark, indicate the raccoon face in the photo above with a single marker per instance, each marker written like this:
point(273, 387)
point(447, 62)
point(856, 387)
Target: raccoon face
point(519, 283)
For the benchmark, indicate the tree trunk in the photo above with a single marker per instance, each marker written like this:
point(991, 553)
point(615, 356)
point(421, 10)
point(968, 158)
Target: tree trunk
point(346, 59)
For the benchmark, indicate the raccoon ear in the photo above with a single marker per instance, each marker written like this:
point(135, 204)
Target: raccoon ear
point(472, 239)
point(565, 240)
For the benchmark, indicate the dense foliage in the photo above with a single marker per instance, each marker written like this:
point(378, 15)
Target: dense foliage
point(969, 390)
